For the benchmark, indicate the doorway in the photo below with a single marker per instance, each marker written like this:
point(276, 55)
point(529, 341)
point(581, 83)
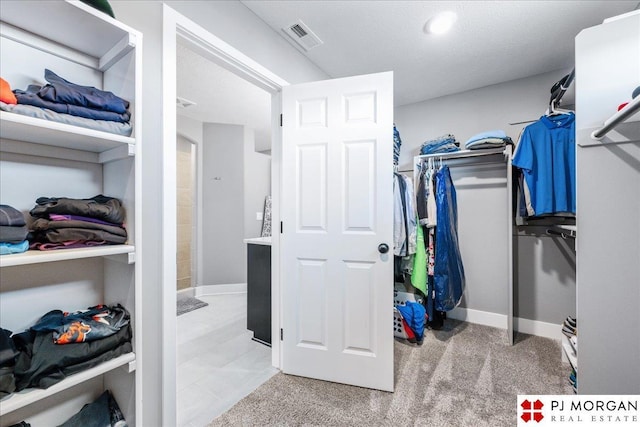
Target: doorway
point(178, 28)
point(228, 121)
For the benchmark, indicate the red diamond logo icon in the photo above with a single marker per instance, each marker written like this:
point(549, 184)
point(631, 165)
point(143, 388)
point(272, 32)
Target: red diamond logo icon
point(532, 411)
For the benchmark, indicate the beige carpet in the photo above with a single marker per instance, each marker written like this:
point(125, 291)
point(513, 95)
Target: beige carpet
point(462, 375)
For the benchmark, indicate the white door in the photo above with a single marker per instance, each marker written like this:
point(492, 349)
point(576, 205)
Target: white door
point(337, 207)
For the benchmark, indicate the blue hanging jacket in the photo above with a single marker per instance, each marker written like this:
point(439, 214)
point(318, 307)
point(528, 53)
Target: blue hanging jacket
point(449, 280)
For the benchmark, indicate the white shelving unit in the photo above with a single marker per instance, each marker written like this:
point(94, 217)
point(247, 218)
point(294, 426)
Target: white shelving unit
point(37, 257)
point(26, 397)
point(608, 201)
point(44, 158)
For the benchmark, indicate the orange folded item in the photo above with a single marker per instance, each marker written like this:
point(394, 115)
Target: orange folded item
point(6, 95)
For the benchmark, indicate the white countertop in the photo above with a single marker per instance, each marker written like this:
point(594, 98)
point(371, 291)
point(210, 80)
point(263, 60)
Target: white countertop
point(259, 241)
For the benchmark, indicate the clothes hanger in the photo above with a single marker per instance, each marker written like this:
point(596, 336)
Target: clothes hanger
point(554, 111)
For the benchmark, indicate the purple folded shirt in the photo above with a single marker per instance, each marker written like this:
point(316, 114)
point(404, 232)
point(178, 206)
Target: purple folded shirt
point(69, 244)
point(58, 217)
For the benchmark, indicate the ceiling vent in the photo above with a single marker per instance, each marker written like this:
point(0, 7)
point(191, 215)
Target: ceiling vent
point(302, 35)
point(183, 103)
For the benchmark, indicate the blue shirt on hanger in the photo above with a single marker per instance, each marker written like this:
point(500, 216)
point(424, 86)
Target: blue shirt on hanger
point(546, 153)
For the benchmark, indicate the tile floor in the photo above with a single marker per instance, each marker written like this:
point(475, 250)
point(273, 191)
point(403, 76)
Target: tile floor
point(218, 363)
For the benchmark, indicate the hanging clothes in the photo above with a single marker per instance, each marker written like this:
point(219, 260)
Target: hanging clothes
point(404, 217)
point(425, 199)
point(419, 273)
point(546, 156)
point(449, 278)
point(397, 142)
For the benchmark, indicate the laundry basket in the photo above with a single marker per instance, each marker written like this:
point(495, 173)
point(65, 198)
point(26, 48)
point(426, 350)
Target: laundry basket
point(400, 298)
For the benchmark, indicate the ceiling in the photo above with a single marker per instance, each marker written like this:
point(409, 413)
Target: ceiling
point(221, 96)
point(491, 42)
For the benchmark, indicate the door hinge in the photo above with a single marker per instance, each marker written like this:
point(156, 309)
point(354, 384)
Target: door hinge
point(281, 335)
point(281, 227)
point(280, 120)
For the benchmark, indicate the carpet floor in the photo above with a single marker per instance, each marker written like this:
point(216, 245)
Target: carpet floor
point(187, 304)
point(463, 375)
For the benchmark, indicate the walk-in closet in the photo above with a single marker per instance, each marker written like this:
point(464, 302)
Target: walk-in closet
point(449, 215)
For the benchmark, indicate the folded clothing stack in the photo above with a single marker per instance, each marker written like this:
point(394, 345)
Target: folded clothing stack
point(570, 327)
point(488, 139)
point(442, 144)
point(63, 223)
point(63, 101)
point(102, 412)
point(81, 344)
point(8, 354)
point(13, 231)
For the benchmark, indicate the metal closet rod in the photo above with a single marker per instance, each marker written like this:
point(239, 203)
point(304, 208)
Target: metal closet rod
point(464, 154)
point(617, 118)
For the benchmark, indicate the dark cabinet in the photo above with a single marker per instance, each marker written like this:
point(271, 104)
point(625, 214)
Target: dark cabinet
point(259, 292)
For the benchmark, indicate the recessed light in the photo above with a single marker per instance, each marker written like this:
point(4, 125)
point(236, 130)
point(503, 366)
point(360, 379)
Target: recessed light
point(441, 23)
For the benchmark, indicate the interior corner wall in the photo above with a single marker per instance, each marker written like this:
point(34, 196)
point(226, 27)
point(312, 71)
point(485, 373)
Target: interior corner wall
point(223, 249)
point(544, 269)
point(240, 27)
point(235, 24)
point(257, 184)
point(189, 128)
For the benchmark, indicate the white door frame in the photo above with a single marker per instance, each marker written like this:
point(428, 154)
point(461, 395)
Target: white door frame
point(211, 47)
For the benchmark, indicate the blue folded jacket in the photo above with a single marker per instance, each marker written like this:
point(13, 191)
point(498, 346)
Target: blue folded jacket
point(66, 92)
point(31, 97)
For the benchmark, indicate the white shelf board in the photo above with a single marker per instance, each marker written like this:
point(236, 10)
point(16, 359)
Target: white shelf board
point(465, 153)
point(18, 127)
point(37, 257)
point(568, 351)
point(26, 397)
point(100, 32)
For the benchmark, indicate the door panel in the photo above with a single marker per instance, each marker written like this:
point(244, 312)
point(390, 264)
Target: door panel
point(336, 209)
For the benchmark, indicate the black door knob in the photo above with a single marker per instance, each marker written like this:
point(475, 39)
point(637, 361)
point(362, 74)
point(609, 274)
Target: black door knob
point(383, 248)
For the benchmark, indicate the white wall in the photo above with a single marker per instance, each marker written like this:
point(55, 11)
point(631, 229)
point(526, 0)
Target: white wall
point(226, 20)
point(468, 113)
point(257, 184)
point(223, 251)
point(544, 274)
point(189, 128)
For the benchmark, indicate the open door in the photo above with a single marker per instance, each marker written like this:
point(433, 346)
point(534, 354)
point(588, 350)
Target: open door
point(337, 214)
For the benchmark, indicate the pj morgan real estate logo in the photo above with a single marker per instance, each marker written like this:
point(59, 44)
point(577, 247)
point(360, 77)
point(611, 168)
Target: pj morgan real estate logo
point(578, 410)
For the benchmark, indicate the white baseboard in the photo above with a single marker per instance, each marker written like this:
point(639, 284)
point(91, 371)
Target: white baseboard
point(526, 326)
point(486, 318)
point(188, 292)
point(536, 327)
point(233, 288)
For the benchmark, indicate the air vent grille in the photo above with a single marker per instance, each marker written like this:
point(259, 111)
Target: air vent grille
point(303, 37)
point(183, 103)
point(298, 30)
